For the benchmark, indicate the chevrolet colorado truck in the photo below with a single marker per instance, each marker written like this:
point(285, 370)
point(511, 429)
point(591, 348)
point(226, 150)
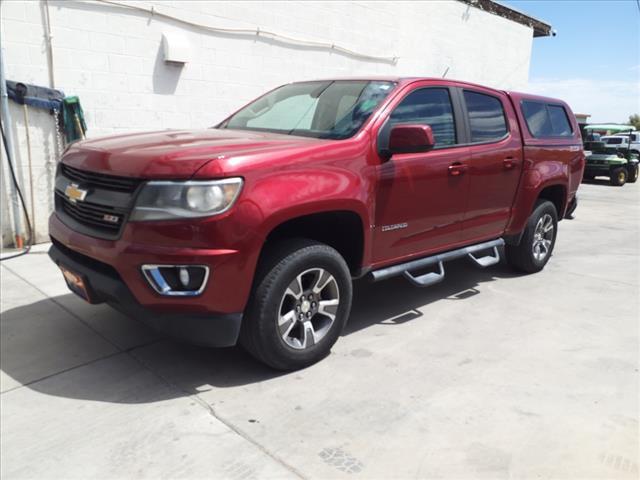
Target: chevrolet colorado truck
point(252, 231)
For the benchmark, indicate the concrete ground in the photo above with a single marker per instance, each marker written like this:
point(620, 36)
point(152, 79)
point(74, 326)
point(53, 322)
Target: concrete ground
point(487, 375)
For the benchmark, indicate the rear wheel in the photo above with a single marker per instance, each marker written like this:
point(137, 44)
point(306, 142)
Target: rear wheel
point(632, 174)
point(300, 304)
point(538, 239)
point(618, 177)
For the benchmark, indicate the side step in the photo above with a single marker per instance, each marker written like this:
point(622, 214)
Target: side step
point(434, 277)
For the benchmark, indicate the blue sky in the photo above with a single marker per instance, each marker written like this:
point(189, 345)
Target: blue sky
point(594, 61)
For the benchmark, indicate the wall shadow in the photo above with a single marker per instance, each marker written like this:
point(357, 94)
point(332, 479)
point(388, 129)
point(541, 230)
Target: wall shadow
point(165, 75)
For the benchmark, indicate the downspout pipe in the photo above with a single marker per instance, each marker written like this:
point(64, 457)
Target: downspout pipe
point(6, 121)
point(47, 29)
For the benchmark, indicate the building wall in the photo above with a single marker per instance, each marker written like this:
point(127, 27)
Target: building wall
point(111, 57)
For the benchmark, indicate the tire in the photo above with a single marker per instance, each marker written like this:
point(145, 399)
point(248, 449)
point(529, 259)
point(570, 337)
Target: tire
point(273, 330)
point(632, 175)
point(618, 177)
point(523, 257)
point(588, 176)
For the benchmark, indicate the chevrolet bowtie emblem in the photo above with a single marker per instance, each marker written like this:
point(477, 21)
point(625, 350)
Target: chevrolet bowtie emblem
point(74, 193)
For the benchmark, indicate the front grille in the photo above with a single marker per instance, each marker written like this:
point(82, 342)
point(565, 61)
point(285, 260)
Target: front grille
point(91, 179)
point(105, 207)
point(107, 219)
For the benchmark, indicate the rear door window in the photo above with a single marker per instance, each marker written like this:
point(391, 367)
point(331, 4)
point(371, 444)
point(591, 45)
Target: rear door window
point(546, 120)
point(487, 120)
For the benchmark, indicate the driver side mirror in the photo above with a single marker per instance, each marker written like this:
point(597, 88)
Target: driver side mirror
point(411, 139)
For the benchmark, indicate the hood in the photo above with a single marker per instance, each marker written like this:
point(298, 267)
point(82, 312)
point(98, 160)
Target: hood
point(175, 154)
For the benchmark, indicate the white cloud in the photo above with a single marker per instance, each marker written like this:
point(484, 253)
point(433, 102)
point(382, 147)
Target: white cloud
point(606, 101)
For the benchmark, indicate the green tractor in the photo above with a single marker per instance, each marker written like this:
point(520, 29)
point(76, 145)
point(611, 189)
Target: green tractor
point(618, 163)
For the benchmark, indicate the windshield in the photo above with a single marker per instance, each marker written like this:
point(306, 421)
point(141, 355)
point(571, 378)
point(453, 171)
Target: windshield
point(328, 109)
point(614, 141)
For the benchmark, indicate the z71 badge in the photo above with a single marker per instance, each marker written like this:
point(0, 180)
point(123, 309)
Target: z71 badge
point(74, 193)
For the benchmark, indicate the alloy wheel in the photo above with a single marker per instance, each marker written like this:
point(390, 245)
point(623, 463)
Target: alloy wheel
point(308, 308)
point(543, 237)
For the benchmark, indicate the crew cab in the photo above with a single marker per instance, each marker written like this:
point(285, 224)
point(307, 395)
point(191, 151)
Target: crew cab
point(253, 230)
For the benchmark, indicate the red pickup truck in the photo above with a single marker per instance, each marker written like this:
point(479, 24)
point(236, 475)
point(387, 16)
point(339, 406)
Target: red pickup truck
point(253, 230)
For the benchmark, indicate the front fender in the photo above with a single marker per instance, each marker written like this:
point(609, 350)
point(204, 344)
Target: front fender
point(281, 196)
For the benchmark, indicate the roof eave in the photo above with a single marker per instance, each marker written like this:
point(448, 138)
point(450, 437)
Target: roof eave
point(540, 28)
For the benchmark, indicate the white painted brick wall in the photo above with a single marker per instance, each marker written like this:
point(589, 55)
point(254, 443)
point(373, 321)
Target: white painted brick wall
point(111, 58)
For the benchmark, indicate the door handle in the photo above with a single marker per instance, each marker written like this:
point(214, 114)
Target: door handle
point(457, 169)
point(509, 163)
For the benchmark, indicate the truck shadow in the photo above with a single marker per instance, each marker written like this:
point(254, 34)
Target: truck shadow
point(30, 356)
point(396, 301)
point(602, 181)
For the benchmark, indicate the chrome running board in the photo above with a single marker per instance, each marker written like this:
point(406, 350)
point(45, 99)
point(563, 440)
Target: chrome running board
point(432, 278)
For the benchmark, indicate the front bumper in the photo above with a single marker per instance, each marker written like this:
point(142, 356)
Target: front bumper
point(229, 283)
point(106, 286)
point(603, 169)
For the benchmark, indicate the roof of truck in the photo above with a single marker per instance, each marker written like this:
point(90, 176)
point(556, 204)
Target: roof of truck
point(406, 80)
point(396, 79)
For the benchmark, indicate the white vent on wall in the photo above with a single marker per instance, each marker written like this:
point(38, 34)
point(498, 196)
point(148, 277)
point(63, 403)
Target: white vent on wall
point(176, 48)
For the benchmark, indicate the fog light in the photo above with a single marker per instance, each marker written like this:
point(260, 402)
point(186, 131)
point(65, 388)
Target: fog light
point(177, 280)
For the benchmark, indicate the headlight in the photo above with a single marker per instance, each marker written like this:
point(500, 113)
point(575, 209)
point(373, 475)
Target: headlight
point(174, 200)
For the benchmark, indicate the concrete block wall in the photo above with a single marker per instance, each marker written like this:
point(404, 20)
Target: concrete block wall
point(111, 57)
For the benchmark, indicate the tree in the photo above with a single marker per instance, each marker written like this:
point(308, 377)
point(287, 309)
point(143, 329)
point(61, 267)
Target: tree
point(635, 121)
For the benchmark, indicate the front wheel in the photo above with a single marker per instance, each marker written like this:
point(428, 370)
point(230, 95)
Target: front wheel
point(538, 239)
point(299, 306)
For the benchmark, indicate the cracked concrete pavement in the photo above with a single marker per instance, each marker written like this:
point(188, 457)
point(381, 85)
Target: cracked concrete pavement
point(486, 375)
